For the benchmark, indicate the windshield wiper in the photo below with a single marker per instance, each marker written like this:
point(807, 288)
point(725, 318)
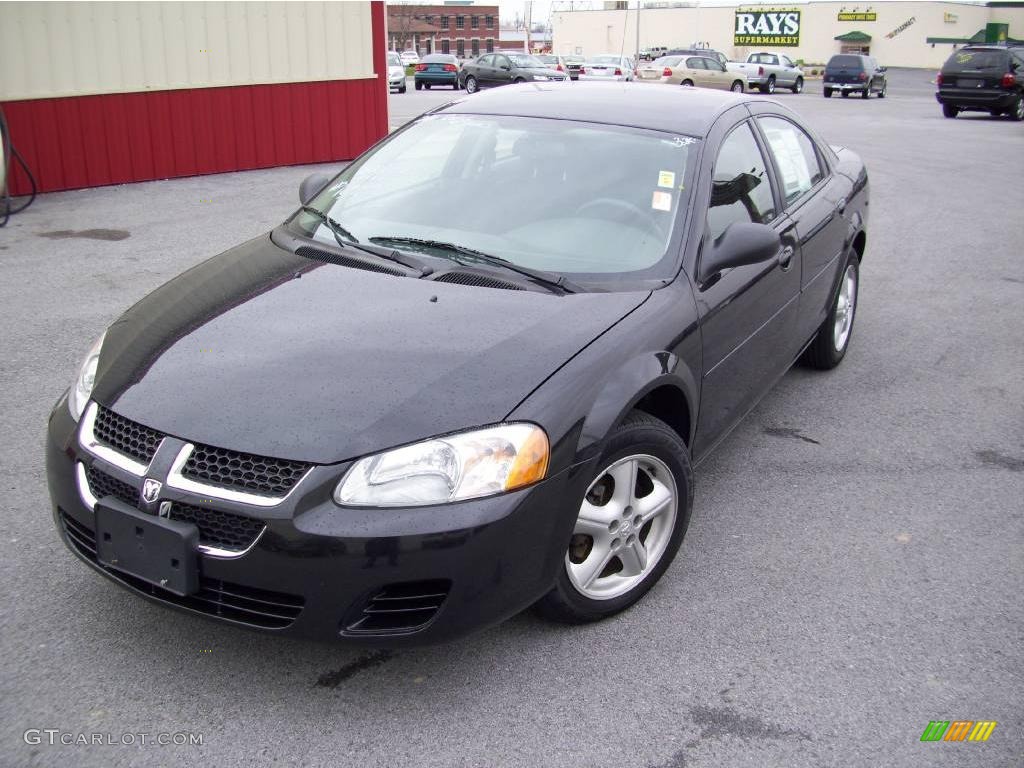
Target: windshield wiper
point(551, 279)
point(351, 241)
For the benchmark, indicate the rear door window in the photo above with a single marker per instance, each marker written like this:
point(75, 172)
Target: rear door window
point(795, 157)
point(695, 63)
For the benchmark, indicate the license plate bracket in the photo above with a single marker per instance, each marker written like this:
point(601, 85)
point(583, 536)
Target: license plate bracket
point(157, 550)
point(968, 82)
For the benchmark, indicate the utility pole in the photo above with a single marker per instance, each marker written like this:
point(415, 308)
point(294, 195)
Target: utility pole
point(529, 22)
point(636, 53)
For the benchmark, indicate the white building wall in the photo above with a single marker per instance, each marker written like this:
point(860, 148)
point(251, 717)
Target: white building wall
point(50, 49)
point(592, 32)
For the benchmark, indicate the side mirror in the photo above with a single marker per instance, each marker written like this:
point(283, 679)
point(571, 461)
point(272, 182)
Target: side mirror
point(741, 244)
point(311, 185)
point(506, 67)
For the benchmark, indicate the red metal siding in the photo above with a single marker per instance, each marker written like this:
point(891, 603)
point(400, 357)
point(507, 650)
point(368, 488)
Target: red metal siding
point(88, 141)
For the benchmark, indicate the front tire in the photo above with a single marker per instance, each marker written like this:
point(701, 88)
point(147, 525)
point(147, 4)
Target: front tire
point(881, 93)
point(846, 94)
point(833, 338)
point(798, 86)
point(630, 523)
point(827, 93)
point(948, 110)
point(866, 93)
point(769, 87)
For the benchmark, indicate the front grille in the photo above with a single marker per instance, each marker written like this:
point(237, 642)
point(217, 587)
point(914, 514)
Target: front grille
point(222, 530)
point(480, 281)
point(126, 436)
point(400, 608)
point(235, 602)
point(101, 484)
point(347, 261)
point(243, 471)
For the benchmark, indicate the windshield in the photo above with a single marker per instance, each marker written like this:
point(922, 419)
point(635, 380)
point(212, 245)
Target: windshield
point(522, 60)
point(393, 60)
point(666, 61)
point(594, 219)
point(976, 60)
point(604, 60)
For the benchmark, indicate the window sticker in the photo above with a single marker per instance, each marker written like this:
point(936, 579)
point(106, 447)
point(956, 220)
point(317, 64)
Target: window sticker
point(666, 179)
point(661, 201)
point(796, 177)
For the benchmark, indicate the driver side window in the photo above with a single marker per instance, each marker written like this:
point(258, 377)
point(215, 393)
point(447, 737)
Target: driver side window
point(740, 186)
point(502, 61)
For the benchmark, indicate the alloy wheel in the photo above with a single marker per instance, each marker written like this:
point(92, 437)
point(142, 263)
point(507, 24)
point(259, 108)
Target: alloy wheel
point(624, 527)
point(470, 85)
point(737, 87)
point(846, 305)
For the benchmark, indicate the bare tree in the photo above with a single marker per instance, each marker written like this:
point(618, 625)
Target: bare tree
point(401, 19)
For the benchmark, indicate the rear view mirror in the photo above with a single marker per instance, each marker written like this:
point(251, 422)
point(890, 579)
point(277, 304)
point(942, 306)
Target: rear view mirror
point(311, 185)
point(741, 244)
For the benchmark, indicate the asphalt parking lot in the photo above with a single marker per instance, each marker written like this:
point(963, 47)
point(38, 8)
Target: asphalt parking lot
point(852, 571)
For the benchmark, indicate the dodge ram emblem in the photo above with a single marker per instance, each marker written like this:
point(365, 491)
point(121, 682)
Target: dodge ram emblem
point(151, 490)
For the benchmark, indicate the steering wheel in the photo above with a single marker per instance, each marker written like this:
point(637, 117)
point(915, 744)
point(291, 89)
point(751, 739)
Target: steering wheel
point(626, 212)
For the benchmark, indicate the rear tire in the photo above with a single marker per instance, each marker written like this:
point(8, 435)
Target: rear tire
point(866, 93)
point(948, 110)
point(403, 88)
point(1016, 111)
point(471, 86)
point(647, 451)
point(798, 86)
point(881, 93)
point(687, 83)
point(833, 338)
point(827, 93)
point(419, 86)
point(737, 86)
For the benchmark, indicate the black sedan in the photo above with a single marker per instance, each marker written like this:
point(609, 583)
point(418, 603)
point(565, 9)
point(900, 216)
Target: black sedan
point(436, 69)
point(493, 69)
point(384, 425)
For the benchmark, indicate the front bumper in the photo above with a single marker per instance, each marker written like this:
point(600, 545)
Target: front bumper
point(396, 81)
point(604, 78)
point(318, 570)
point(970, 98)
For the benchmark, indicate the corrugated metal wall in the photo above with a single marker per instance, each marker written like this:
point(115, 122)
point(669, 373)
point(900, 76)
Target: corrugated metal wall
point(115, 137)
point(77, 48)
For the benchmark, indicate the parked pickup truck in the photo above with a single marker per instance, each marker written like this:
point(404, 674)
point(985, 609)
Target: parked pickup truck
point(766, 71)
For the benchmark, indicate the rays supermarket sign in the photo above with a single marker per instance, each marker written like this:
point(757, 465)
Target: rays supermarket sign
point(775, 28)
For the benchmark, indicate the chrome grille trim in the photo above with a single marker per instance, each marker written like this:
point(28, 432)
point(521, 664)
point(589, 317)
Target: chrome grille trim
point(224, 554)
point(88, 441)
point(177, 480)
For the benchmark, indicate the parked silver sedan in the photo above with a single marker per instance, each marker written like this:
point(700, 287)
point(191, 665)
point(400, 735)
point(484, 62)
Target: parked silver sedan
point(608, 66)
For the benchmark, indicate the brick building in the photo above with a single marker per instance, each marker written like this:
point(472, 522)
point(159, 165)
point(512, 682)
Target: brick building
point(459, 28)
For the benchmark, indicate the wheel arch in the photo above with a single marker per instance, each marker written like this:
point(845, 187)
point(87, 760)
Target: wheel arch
point(659, 384)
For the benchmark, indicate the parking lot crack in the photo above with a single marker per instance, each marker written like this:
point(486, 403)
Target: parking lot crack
point(336, 678)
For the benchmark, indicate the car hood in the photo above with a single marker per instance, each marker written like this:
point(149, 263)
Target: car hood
point(266, 352)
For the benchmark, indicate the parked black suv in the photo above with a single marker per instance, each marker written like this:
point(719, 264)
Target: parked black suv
point(983, 78)
point(848, 72)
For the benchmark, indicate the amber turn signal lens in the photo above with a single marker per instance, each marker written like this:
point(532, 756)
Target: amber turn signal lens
point(531, 462)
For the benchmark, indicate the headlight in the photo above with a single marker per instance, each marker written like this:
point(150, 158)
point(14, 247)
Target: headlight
point(463, 466)
point(81, 390)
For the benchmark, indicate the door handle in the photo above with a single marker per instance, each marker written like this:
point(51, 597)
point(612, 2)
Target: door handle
point(786, 257)
point(841, 205)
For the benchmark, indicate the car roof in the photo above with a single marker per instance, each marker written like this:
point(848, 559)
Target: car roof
point(689, 111)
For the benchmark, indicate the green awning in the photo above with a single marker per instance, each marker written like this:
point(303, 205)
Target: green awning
point(854, 37)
